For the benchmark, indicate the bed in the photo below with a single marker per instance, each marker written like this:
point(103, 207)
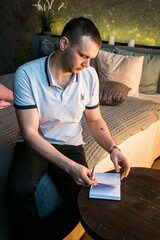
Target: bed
point(138, 136)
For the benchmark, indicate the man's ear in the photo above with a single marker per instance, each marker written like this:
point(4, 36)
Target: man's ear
point(63, 43)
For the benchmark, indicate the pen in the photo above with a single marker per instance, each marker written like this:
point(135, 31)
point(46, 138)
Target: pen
point(92, 173)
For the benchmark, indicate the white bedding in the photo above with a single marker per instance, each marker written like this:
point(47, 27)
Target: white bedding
point(153, 97)
point(142, 148)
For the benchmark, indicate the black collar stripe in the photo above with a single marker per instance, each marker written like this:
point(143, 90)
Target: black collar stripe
point(46, 71)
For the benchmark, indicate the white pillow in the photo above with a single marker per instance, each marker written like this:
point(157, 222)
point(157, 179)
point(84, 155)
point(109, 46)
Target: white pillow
point(119, 68)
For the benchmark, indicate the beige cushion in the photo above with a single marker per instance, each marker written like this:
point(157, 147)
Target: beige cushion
point(119, 68)
point(150, 71)
point(112, 93)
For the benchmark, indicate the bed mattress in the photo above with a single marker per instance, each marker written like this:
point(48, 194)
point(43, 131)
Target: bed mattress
point(141, 149)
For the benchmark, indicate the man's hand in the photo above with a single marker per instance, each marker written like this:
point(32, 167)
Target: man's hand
point(82, 175)
point(120, 161)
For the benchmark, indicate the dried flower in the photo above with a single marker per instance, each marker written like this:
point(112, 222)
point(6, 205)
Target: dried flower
point(46, 12)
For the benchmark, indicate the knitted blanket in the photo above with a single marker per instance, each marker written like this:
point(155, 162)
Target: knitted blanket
point(124, 120)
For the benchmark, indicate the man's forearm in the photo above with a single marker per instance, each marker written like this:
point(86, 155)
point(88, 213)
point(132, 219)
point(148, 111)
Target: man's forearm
point(101, 134)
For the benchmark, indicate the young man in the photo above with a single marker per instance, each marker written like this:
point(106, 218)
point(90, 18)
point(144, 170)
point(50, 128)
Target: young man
point(51, 94)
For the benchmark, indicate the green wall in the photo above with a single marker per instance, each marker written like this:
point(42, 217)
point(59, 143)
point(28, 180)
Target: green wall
point(124, 18)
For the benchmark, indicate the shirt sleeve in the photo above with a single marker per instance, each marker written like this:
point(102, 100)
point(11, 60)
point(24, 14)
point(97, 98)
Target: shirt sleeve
point(94, 90)
point(23, 94)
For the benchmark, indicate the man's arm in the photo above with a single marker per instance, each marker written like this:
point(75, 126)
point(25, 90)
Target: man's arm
point(29, 122)
point(101, 134)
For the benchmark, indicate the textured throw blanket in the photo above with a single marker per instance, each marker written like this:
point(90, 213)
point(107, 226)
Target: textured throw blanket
point(124, 120)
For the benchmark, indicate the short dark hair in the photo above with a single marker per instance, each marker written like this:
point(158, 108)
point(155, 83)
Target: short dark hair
point(79, 27)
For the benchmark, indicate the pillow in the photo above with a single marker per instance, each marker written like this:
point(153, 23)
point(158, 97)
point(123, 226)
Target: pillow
point(150, 74)
point(6, 97)
point(47, 47)
point(112, 93)
point(158, 86)
point(119, 68)
point(124, 51)
point(150, 70)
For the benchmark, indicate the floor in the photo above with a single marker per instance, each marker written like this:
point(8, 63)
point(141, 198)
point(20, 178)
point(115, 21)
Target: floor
point(156, 165)
point(86, 237)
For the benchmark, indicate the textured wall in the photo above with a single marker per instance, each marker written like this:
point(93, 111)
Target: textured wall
point(16, 29)
point(123, 18)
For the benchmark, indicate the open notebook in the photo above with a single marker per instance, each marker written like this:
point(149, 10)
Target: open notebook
point(109, 186)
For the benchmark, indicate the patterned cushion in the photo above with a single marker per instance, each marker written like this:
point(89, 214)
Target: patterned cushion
point(112, 93)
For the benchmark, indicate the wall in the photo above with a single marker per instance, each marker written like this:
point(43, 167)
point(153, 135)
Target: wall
point(123, 18)
point(16, 29)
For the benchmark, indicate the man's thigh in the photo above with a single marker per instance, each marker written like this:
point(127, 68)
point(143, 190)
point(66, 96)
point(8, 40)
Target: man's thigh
point(27, 168)
point(66, 186)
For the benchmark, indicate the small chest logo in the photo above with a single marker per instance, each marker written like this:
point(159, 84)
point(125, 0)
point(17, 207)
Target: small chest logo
point(82, 96)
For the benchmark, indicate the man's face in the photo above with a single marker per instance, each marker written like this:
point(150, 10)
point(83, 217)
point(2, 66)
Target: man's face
point(76, 58)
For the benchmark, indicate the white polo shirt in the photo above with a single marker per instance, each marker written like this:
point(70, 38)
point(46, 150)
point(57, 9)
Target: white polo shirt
point(60, 110)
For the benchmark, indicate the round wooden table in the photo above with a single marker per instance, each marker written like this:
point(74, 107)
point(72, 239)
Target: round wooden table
point(135, 217)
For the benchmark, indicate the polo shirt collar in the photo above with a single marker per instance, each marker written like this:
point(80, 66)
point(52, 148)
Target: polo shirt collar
point(50, 79)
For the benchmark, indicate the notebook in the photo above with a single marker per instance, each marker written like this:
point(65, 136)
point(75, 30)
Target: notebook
point(109, 186)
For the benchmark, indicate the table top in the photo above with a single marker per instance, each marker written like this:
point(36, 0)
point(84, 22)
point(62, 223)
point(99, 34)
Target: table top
point(135, 217)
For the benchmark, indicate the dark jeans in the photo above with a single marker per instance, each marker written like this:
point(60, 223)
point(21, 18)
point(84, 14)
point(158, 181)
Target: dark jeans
point(26, 170)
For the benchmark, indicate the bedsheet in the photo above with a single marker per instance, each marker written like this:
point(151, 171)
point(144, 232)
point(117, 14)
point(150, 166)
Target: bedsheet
point(141, 149)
